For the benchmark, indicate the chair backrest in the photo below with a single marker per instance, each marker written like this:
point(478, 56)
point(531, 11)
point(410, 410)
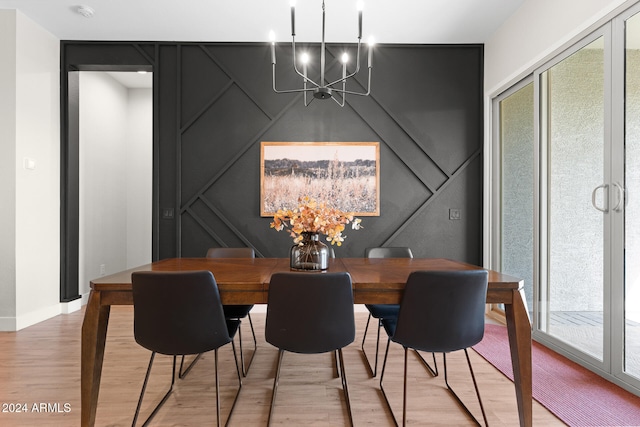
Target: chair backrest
point(388, 252)
point(178, 312)
point(231, 253)
point(310, 312)
point(442, 311)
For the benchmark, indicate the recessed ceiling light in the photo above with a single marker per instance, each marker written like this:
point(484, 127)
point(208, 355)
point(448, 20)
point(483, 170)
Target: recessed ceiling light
point(85, 11)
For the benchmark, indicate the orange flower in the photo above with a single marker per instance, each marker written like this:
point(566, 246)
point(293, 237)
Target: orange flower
point(313, 217)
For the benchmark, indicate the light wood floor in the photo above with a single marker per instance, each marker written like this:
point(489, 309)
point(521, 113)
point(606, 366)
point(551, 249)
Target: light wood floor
point(40, 364)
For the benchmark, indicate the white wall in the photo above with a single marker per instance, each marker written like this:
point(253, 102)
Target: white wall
point(535, 32)
point(115, 177)
point(29, 79)
point(139, 176)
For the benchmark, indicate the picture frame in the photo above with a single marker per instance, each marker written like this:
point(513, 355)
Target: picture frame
point(344, 175)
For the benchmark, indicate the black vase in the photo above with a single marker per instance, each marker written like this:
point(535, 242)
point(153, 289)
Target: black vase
point(310, 254)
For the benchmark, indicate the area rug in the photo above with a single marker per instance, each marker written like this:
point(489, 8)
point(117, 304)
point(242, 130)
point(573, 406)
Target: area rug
point(574, 394)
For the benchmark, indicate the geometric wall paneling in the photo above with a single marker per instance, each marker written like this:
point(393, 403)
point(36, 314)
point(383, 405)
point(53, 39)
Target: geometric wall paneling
point(441, 100)
point(455, 239)
point(215, 104)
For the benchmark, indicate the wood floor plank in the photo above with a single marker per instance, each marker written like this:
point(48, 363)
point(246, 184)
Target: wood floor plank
point(40, 368)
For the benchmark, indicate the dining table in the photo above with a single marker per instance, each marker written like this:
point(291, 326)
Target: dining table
point(246, 281)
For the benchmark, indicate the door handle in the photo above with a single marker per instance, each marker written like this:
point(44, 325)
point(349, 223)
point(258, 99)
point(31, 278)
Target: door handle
point(621, 196)
point(593, 198)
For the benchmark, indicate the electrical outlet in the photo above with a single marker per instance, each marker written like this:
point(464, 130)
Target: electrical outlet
point(103, 269)
point(455, 214)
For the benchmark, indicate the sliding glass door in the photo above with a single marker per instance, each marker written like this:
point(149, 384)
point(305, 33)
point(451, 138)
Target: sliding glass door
point(567, 180)
point(576, 195)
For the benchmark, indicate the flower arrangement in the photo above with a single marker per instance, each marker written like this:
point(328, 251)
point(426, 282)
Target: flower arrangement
point(313, 217)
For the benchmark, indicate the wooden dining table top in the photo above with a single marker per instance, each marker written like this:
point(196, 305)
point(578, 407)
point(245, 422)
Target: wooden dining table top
point(248, 278)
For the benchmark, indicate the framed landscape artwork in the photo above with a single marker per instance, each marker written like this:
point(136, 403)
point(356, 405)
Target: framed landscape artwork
point(344, 175)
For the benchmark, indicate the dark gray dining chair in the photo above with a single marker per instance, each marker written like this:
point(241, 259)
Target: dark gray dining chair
point(310, 313)
point(440, 312)
point(178, 313)
point(382, 311)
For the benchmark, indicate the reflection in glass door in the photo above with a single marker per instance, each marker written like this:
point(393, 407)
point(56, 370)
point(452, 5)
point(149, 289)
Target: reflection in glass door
point(632, 207)
point(572, 94)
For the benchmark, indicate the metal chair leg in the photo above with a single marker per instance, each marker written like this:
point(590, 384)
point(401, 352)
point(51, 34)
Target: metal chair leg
point(433, 371)
point(181, 373)
point(255, 346)
point(275, 385)
point(384, 393)
point(144, 387)
point(373, 370)
point(475, 385)
point(235, 399)
point(345, 386)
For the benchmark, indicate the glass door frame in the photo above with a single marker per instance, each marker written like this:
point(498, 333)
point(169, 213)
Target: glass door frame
point(540, 98)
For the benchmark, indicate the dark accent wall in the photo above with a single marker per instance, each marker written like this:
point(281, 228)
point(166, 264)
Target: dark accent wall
point(213, 105)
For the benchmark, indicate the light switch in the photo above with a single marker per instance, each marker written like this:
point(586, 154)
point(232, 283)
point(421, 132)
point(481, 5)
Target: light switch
point(29, 164)
point(167, 213)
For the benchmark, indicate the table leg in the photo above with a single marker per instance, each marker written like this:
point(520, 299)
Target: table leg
point(519, 329)
point(94, 334)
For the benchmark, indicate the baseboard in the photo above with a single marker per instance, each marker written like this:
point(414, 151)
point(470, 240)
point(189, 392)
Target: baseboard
point(12, 324)
point(37, 316)
point(71, 306)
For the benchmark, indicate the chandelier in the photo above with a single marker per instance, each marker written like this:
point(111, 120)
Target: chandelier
point(323, 89)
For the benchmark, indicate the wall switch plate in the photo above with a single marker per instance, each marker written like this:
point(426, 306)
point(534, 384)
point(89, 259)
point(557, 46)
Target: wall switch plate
point(29, 164)
point(455, 214)
point(103, 269)
point(166, 213)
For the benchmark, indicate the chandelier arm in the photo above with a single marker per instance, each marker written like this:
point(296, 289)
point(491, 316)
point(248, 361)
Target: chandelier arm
point(344, 87)
point(295, 67)
point(286, 90)
point(340, 103)
point(345, 78)
point(358, 93)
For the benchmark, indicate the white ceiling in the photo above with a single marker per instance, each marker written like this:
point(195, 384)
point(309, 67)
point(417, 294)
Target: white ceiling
point(389, 21)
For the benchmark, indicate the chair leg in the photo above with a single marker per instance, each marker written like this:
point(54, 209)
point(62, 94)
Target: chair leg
point(255, 347)
point(433, 371)
point(475, 385)
point(144, 387)
point(218, 388)
point(181, 373)
point(384, 394)
point(373, 370)
point(345, 386)
point(275, 385)
point(235, 399)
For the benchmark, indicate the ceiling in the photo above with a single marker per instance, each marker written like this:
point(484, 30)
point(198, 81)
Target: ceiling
point(389, 21)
